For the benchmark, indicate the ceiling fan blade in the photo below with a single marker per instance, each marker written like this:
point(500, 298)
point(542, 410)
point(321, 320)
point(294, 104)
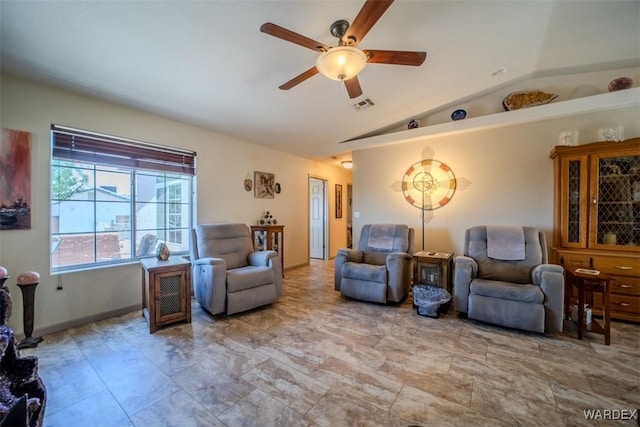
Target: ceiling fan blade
point(300, 78)
point(288, 35)
point(371, 11)
point(395, 57)
point(353, 87)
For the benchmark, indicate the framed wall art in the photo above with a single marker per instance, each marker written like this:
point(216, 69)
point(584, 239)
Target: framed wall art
point(15, 180)
point(338, 201)
point(263, 184)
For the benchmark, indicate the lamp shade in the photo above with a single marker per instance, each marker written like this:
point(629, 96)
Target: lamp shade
point(341, 63)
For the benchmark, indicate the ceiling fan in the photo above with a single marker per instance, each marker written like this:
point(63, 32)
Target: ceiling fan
point(345, 61)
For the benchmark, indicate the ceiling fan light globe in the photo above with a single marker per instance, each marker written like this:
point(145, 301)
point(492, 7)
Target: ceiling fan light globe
point(341, 63)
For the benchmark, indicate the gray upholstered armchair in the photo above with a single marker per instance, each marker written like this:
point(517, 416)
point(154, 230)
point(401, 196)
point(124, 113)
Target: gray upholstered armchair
point(503, 278)
point(380, 270)
point(227, 274)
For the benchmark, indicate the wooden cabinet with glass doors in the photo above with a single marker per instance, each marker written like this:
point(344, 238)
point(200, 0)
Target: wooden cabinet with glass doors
point(269, 237)
point(597, 216)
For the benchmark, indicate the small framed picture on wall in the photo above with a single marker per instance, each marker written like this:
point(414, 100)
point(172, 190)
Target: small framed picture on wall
point(263, 185)
point(338, 201)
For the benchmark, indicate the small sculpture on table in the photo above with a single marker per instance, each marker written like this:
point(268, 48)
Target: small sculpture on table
point(163, 253)
point(267, 219)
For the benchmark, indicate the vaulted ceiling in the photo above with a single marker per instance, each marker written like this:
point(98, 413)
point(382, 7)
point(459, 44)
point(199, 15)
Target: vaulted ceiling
point(207, 63)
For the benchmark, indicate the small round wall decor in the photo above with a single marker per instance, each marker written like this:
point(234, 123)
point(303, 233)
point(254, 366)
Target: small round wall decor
point(429, 184)
point(248, 184)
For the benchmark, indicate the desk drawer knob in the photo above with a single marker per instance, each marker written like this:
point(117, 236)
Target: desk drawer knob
point(622, 285)
point(624, 267)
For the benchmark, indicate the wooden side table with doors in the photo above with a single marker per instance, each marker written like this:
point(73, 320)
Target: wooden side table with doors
point(269, 237)
point(433, 268)
point(166, 291)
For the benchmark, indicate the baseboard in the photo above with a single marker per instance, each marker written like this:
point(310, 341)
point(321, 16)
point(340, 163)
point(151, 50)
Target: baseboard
point(293, 267)
point(80, 321)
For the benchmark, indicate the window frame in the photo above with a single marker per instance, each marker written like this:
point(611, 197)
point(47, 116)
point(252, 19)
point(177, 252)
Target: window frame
point(134, 159)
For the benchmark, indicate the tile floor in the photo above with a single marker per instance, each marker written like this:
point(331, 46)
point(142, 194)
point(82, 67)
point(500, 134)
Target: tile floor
point(317, 359)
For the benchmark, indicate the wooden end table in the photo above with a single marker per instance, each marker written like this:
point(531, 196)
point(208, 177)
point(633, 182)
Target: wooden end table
point(587, 284)
point(166, 291)
point(433, 268)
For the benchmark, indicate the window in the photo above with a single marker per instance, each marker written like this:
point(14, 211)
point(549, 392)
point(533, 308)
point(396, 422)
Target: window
point(113, 200)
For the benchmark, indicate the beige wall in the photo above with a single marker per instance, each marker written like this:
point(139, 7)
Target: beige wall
point(223, 164)
point(509, 169)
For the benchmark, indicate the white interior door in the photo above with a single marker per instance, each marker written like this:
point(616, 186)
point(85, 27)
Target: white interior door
point(317, 218)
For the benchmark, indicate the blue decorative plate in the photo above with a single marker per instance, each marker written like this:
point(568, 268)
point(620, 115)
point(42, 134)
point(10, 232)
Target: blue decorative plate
point(458, 115)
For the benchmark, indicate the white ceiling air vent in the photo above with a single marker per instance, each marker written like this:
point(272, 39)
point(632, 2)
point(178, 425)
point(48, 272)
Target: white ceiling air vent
point(363, 105)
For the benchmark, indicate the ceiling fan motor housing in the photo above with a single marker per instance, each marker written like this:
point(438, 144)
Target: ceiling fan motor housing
point(339, 28)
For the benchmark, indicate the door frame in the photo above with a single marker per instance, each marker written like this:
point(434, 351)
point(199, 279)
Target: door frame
point(325, 214)
point(350, 215)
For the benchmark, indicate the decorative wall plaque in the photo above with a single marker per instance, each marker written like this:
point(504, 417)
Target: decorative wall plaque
point(429, 184)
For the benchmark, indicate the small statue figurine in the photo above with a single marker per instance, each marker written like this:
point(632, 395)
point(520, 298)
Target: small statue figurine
point(163, 252)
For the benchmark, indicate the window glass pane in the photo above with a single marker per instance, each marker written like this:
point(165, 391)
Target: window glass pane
point(108, 247)
point(178, 188)
point(74, 216)
point(150, 188)
point(113, 216)
point(163, 209)
point(71, 181)
point(113, 185)
point(72, 249)
point(149, 216)
point(174, 216)
point(178, 240)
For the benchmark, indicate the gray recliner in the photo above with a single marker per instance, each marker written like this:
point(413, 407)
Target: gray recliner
point(523, 292)
point(380, 270)
point(227, 274)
